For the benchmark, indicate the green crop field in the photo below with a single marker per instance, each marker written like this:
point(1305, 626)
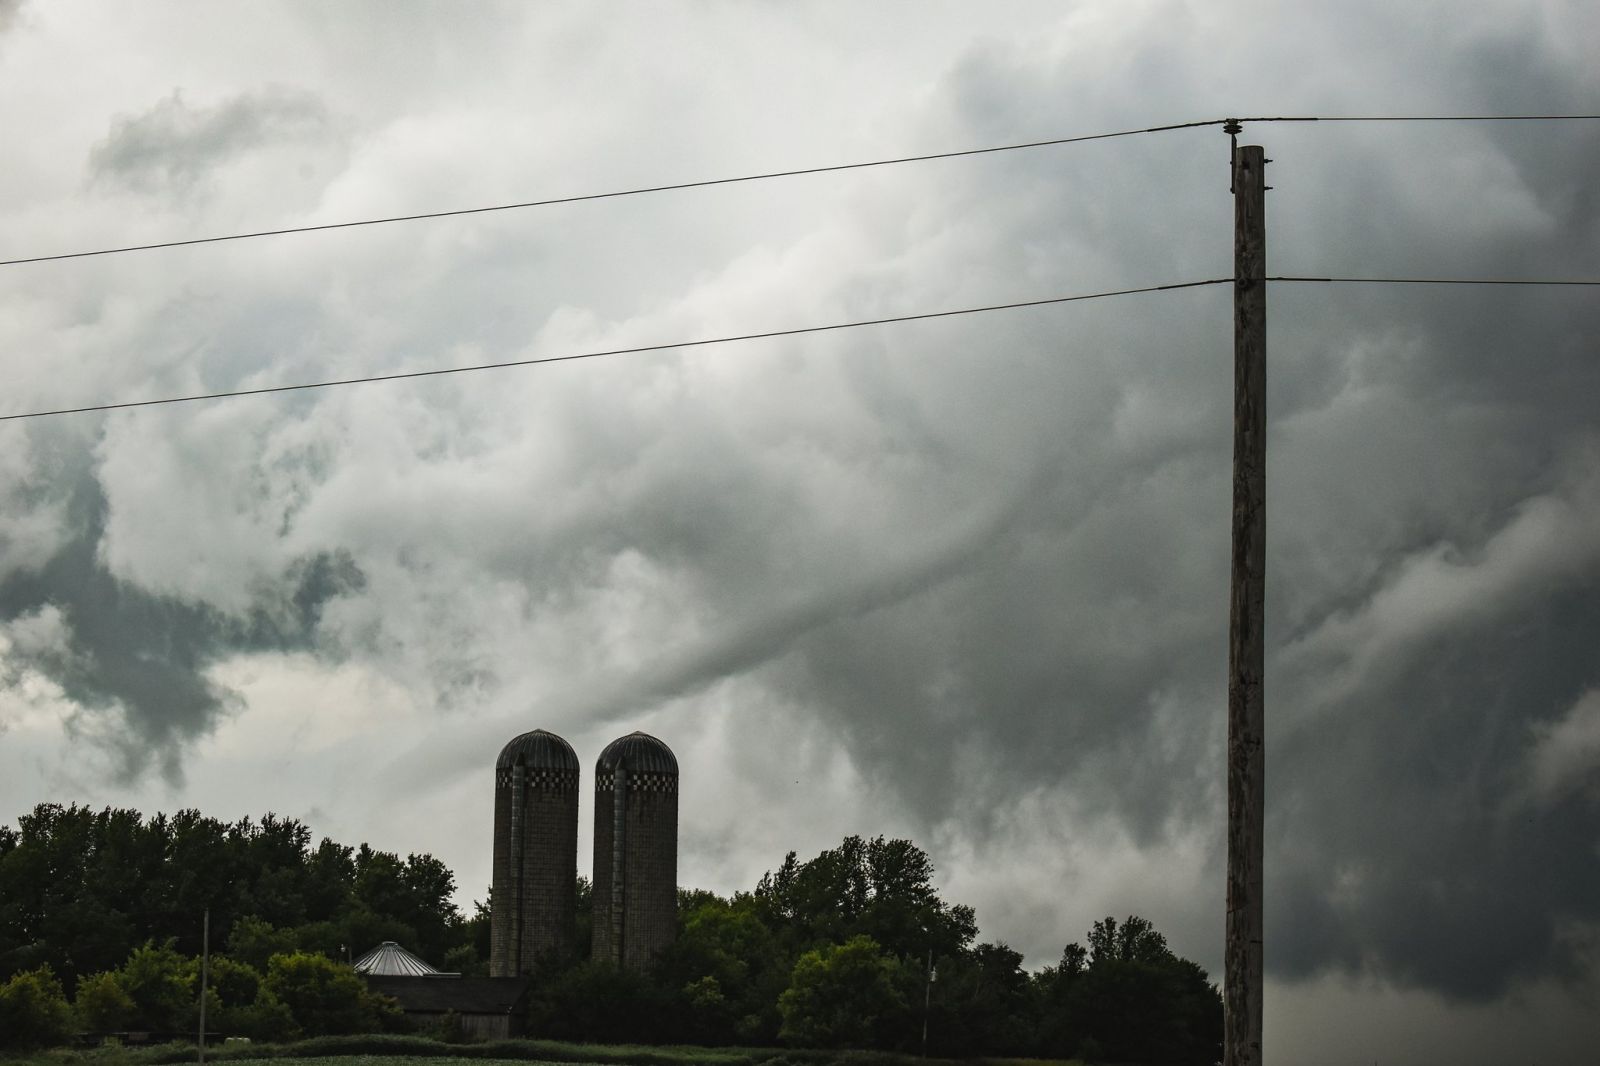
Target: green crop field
point(417, 1051)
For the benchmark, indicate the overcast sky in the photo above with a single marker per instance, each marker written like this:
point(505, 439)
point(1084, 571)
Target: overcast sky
point(961, 580)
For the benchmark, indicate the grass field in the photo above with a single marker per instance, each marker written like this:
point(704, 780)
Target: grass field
point(419, 1051)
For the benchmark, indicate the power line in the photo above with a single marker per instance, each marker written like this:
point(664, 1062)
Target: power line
point(771, 334)
point(767, 176)
point(1443, 281)
point(1432, 118)
point(702, 342)
point(615, 194)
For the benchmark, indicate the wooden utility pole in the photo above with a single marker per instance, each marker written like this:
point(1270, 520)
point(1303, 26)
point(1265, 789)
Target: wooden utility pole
point(1246, 659)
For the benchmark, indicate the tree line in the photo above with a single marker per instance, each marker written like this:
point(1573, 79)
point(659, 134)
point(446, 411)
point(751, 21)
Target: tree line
point(852, 948)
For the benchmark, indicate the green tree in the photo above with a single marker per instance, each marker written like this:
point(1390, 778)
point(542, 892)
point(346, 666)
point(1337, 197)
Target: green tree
point(726, 969)
point(599, 1002)
point(103, 1005)
point(80, 889)
point(1129, 998)
point(157, 981)
point(253, 941)
point(844, 995)
point(54, 910)
point(878, 888)
point(234, 983)
point(267, 1018)
point(34, 1011)
point(1135, 940)
point(981, 1004)
point(324, 997)
point(471, 955)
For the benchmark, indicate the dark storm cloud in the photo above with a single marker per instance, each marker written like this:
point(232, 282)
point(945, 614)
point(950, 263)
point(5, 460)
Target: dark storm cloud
point(1394, 853)
point(173, 146)
point(1050, 655)
point(134, 663)
point(1451, 418)
point(987, 561)
point(1401, 845)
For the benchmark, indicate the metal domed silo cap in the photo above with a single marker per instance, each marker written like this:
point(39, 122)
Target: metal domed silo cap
point(538, 750)
point(638, 753)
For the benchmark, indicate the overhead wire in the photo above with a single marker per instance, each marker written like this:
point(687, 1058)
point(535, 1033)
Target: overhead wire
point(554, 201)
point(769, 334)
point(406, 375)
point(1432, 118)
point(1441, 281)
point(323, 227)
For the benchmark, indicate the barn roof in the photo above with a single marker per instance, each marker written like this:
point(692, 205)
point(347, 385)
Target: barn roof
point(445, 992)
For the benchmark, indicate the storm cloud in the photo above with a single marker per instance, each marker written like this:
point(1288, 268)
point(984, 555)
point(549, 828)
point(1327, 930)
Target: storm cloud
point(172, 146)
point(132, 663)
point(962, 580)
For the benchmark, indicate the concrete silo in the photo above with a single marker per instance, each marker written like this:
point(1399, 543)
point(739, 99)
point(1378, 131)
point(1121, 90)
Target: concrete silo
point(533, 907)
point(635, 850)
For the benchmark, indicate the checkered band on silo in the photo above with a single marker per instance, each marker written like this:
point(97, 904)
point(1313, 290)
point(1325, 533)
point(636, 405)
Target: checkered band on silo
point(533, 902)
point(541, 778)
point(637, 782)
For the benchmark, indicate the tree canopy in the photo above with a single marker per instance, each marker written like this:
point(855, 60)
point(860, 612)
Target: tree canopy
point(81, 890)
point(99, 929)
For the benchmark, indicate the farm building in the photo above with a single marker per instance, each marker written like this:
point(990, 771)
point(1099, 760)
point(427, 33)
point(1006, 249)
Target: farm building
point(490, 1008)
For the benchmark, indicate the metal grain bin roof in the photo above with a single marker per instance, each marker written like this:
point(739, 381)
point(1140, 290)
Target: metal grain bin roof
point(539, 749)
point(639, 753)
point(389, 959)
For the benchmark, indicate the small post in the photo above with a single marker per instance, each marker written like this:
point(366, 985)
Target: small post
point(927, 998)
point(205, 974)
point(1242, 977)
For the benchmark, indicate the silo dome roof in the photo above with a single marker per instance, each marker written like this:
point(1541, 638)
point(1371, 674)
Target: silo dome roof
point(540, 750)
point(639, 753)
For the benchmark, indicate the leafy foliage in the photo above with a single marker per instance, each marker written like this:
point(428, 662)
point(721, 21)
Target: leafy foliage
point(726, 969)
point(1129, 998)
point(325, 998)
point(81, 889)
point(103, 1004)
point(33, 1010)
point(837, 951)
point(156, 980)
point(878, 888)
point(844, 995)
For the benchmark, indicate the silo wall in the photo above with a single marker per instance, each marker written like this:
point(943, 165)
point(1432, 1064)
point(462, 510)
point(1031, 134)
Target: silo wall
point(534, 902)
point(632, 925)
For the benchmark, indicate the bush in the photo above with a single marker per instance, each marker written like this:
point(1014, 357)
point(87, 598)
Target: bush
point(325, 998)
point(597, 1001)
point(253, 941)
point(235, 983)
point(156, 979)
point(267, 1018)
point(843, 995)
point(34, 1011)
point(103, 1005)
